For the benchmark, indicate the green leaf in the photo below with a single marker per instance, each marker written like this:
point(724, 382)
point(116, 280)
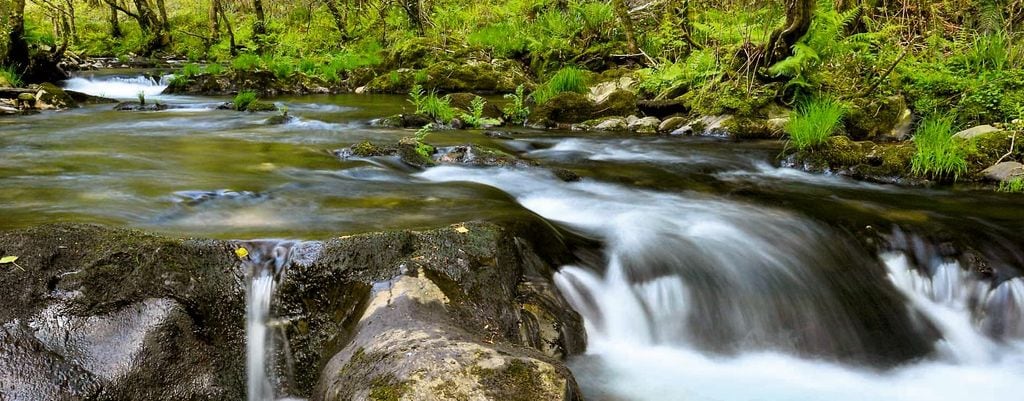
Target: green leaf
point(8, 259)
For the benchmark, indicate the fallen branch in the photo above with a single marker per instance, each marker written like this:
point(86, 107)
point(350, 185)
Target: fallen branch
point(1013, 141)
point(886, 74)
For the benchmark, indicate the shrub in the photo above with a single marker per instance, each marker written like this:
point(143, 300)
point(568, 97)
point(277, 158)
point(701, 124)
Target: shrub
point(568, 79)
point(11, 75)
point(178, 81)
point(214, 69)
point(244, 99)
point(246, 62)
point(191, 70)
point(282, 67)
point(516, 110)
point(937, 154)
point(814, 121)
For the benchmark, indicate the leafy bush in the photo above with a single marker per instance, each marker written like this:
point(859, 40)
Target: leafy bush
point(568, 79)
point(179, 80)
point(814, 122)
point(937, 154)
point(214, 69)
point(282, 67)
point(516, 110)
point(11, 75)
point(246, 62)
point(191, 70)
point(244, 99)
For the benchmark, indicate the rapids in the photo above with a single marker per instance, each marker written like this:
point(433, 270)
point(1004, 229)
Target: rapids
point(721, 277)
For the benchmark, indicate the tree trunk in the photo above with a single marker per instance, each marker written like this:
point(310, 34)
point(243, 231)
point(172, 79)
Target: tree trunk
point(227, 25)
point(339, 19)
point(214, 24)
point(622, 13)
point(16, 53)
point(115, 24)
point(261, 20)
point(414, 9)
point(165, 23)
point(799, 14)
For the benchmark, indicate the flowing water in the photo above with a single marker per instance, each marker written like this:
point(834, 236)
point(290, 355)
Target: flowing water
point(721, 278)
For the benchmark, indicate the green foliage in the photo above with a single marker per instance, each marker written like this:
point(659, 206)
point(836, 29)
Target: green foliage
point(568, 79)
point(986, 53)
point(475, 117)
point(1013, 185)
point(246, 62)
point(179, 80)
point(516, 110)
point(11, 75)
point(937, 155)
point(505, 39)
point(422, 147)
point(213, 69)
point(142, 98)
point(814, 122)
point(823, 42)
point(191, 70)
point(244, 99)
point(282, 66)
point(437, 107)
point(696, 70)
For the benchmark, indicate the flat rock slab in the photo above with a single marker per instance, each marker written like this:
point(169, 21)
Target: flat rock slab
point(976, 132)
point(1004, 171)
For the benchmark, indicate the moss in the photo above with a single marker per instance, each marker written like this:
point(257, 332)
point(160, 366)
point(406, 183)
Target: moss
point(565, 107)
point(618, 103)
point(517, 380)
point(387, 388)
point(397, 81)
point(258, 106)
point(731, 97)
point(448, 76)
point(415, 153)
point(750, 128)
point(983, 151)
point(889, 160)
point(56, 96)
point(368, 149)
point(868, 118)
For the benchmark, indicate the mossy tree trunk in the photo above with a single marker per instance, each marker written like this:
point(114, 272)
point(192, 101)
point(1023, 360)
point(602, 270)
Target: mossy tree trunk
point(339, 18)
point(13, 49)
point(261, 19)
point(799, 14)
point(622, 13)
point(115, 25)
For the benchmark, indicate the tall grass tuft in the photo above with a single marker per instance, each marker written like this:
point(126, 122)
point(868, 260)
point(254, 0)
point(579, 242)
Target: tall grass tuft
point(244, 99)
point(568, 79)
point(938, 155)
point(11, 75)
point(814, 122)
point(431, 105)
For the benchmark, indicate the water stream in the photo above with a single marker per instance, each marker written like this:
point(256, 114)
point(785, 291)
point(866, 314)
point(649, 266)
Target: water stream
point(722, 277)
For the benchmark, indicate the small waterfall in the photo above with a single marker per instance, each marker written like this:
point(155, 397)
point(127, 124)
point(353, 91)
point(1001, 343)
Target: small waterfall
point(265, 263)
point(118, 87)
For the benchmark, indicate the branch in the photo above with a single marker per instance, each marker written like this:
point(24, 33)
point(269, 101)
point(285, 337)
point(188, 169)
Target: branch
point(113, 4)
point(886, 74)
point(1012, 141)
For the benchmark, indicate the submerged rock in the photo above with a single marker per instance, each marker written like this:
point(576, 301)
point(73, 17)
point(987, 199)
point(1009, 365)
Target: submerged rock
point(136, 106)
point(478, 156)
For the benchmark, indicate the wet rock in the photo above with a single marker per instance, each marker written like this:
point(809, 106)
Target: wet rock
point(258, 106)
point(280, 119)
point(264, 83)
point(618, 103)
point(663, 108)
point(403, 121)
point(865, 160)
point(118, 314)
point(611, 124)
point(136, 106)
point(646, 125)
point(26, 101)
point(498, 134)
point(566, 107)
point(751, 128)
point(874, 118)
point(566, 175)
point(83, 98)
point(1004, 171)
point(705, 126)
point(975, 132)
point(671, 124)
point(501, 76)
point(463, 101)
point(601, 92)
point(478, 156)
point(50, 96)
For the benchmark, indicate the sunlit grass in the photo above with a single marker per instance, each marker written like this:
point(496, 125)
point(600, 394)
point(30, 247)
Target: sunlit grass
point(814, 122)
point(938, 155)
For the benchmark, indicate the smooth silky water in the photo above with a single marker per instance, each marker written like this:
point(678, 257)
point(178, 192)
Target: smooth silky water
point(721, 278)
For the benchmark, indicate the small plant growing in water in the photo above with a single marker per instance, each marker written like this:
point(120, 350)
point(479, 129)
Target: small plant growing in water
point(814, 122)
point(142, 98)
point(516, 110)
point(475, 117)
point(421, 147)
point(938, 155)
point(244, 99)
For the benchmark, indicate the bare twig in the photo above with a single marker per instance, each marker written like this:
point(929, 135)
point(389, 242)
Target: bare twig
point(886, 74)
point(1013, 141)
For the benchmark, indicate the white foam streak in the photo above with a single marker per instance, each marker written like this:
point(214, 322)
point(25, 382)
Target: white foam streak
point(117, 87)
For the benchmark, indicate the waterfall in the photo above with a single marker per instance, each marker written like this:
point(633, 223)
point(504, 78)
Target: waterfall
point(258, 344)
point(703, 298)
point(118, 87)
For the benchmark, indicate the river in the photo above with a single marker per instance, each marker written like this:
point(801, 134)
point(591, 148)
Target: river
point(722, 277)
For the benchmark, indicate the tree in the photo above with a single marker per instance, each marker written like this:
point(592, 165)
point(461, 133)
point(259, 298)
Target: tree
point(13, 48)
point(622, 13)
point(260, 28)
point(799, 14)
point(149, 23)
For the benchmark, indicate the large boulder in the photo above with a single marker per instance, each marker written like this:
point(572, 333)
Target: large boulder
point(50, 96)
point(565, 107)
point(875, 119)
point(108, 314)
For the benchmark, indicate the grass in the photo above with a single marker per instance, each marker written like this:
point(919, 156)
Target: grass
point(568, 79)
point(244, 99)
point(11, 75)
point(214, 69)
point(191, 70)
point(938, 155)
point(431, 105)
point(814, 122)
point(1013, 185)
point(246, 62)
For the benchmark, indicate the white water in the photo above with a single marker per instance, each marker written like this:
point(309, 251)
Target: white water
point(257, 342)
point(116, 87)
point(680, 266)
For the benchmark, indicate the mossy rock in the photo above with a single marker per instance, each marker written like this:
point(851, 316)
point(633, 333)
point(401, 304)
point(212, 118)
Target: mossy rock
point(984, 150)
point(566, 107)
point(873, 118)
point(619, 103)
point(415, 153)
point(397, 81)
point(51, 96)
point(474, 76)
point(886, 162)
point(4, 83)
point(258, 106)
point(463, 101)
point(750, 128)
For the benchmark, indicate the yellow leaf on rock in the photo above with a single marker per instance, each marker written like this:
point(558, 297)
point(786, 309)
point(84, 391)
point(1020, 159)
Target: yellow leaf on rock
point(241, 253)
point(461, 230)
point(8, 259)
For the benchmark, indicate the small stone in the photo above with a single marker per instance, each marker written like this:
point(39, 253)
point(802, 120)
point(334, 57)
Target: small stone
point(975, 132)
point(646, 125)
point(1004, 171)
point(612, 124)
point(631, 119)
point(671, 124)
